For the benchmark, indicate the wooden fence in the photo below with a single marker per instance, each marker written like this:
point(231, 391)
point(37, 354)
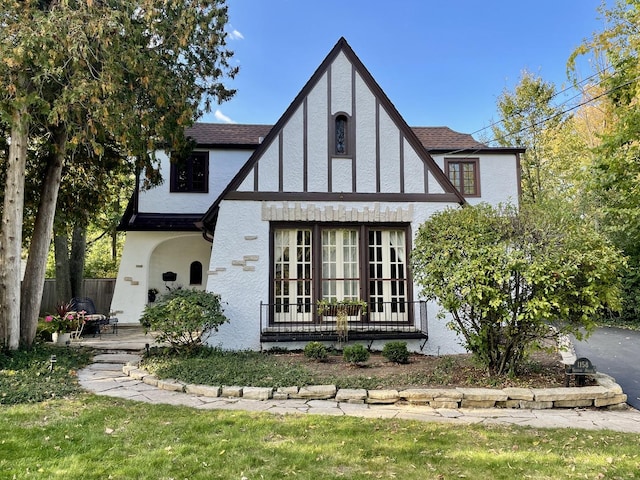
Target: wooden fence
point(100, 290)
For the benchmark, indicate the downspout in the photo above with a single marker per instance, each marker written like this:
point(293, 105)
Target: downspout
point(207, 229)
point(519, 177)
point(135, 200)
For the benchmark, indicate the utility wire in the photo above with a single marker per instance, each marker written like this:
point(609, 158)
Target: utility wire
point(544, 120)
point(552, 97)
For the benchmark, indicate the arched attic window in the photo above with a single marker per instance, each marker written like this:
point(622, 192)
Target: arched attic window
point(195, 273)
point(341, 133)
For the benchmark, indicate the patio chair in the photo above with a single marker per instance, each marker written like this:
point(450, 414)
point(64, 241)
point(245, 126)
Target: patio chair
point(94, 322)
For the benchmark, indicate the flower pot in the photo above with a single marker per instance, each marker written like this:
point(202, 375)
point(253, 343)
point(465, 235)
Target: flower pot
point(335, 310)
point(61, 338)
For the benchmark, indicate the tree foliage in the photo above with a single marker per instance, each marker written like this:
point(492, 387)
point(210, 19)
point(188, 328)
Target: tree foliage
point(527, 119)
point(133, 72)
point(505, 277)
point(616, 166)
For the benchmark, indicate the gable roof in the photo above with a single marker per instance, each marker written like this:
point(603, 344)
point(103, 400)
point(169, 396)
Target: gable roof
point(208, 220)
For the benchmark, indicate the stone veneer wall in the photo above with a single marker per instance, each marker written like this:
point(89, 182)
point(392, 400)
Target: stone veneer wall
point(606, 394)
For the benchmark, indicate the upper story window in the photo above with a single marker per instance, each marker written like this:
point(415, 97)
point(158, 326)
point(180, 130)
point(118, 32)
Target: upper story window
point(191, 174)
point(341, 135)
point(464, 175)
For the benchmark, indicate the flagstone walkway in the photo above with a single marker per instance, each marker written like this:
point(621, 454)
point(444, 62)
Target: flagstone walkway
point(105, 377)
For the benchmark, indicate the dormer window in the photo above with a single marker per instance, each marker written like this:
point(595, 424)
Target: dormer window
point(191, 174)
point(464, 175)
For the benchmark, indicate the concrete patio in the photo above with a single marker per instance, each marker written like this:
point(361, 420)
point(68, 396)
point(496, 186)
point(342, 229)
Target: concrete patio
point(129, 338)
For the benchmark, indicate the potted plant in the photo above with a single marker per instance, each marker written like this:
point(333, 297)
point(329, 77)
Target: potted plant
point(348, 306)
point(341, 309)
point(151, 294)
point(62, 323)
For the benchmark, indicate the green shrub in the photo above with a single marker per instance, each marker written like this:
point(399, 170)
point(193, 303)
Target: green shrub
point(184, 318)
point(316, 351)
point(355, 354)
point(396, 352)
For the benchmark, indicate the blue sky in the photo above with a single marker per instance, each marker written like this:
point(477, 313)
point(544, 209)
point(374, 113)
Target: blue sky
point(440, 62)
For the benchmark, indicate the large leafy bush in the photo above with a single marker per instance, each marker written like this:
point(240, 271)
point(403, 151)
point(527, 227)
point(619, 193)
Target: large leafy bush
point(184, 318)
point(506, 276)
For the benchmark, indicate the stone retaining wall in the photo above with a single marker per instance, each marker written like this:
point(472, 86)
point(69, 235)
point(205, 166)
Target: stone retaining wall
point(606, 394)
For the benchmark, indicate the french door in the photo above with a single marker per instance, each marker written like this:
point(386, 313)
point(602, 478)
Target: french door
point(292, 258)
point(340, 263)
point(387, 276)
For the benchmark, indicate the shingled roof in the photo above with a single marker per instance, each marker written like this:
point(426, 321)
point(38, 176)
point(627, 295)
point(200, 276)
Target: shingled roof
point(231, 134)
point(234, 134)
point(443, 138)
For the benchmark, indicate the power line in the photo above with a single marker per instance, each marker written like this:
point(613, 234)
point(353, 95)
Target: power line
point(547, 119)
point(552, 97)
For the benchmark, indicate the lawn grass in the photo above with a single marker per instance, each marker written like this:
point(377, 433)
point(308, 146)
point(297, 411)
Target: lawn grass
point(97, 437)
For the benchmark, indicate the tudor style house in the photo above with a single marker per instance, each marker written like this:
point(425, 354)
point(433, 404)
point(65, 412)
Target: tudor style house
point(323, 205)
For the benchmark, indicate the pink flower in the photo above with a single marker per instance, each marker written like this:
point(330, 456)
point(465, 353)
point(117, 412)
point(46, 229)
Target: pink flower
point(70, 316)
point(48, 318)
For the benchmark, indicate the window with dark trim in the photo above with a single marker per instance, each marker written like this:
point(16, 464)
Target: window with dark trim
point(191, 174)
point(464, 175)
point(313, 262)
point(195, 273)
point(341, 135)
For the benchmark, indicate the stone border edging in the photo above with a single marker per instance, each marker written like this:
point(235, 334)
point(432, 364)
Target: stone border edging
point(606, 394)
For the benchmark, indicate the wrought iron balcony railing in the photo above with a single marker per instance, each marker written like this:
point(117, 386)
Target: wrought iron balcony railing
point(382, 320)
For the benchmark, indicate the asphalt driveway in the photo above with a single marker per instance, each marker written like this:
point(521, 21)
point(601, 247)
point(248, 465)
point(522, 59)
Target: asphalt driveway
point(616, 352)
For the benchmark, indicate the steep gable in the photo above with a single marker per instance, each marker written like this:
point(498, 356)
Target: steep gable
point(301, 159)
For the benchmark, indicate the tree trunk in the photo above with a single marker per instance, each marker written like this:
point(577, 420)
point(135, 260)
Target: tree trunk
point(11, 236)
point(61, 252)
point(33, 284)
point(77, 258)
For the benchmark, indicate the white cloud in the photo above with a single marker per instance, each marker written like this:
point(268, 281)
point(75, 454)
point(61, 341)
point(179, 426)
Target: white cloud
point(222, 117)
point(235, 34)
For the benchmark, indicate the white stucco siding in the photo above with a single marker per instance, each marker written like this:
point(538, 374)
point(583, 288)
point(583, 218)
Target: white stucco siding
point(247, 184)
point(239, 272)
point(176, 255)
point(341, 175)
point(365, 130)
point(341, 88)
point(389, 154)
point(293, 153)
point(433, 184)
point(223, 165)
point(144, 257)
point(498, 178)
point(239, 267)
point(317, 137)
point(268, 169)
point(414, 170)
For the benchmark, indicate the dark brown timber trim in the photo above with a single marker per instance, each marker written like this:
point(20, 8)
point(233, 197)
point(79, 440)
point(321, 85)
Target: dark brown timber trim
point(343, 196)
